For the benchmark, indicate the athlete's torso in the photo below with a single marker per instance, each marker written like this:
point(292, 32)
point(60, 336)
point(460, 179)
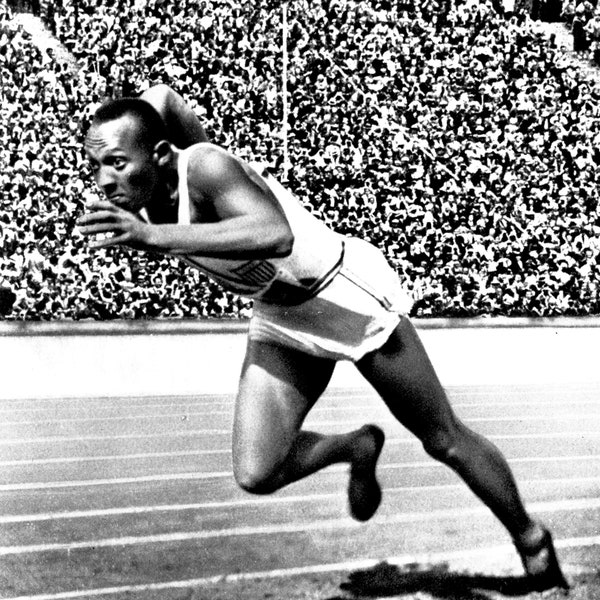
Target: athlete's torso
point(315, 258)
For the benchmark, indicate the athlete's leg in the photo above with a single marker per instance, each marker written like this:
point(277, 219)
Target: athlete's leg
point(403, 375)
point(278, 387)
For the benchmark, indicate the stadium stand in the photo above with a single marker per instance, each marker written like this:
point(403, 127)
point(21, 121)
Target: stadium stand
point(458, 139)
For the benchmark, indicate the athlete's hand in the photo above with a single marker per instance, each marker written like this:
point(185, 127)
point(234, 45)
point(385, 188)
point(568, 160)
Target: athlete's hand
point(115, 226)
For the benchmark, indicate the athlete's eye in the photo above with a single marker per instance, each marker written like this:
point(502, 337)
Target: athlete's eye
point(118, 163)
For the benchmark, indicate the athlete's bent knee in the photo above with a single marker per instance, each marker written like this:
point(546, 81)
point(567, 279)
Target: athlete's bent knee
point(443, 447)
point(254, 481)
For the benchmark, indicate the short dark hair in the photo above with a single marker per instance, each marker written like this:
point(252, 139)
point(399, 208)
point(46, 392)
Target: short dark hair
point(152, 128)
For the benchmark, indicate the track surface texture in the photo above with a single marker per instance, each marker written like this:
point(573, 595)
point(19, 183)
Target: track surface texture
point(134, 498)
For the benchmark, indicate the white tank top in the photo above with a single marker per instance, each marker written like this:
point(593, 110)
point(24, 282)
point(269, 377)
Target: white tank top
point(316, 256)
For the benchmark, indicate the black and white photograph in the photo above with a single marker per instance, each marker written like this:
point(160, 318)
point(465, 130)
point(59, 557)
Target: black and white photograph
point(300, 300)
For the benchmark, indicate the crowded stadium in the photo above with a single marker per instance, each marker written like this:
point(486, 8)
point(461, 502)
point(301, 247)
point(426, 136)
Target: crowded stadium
point(456, 137)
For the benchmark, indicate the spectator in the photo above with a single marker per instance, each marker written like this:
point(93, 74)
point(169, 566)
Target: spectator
point(592, 30)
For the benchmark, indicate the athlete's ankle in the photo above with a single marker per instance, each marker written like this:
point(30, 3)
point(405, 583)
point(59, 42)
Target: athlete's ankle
point(365, 446)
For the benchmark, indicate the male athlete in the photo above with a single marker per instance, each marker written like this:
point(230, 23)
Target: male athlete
point(319, 297)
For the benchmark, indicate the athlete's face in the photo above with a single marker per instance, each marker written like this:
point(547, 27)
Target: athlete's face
point(124, 169)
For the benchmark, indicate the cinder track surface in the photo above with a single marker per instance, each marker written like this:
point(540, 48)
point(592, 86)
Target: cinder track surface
point(134, 498)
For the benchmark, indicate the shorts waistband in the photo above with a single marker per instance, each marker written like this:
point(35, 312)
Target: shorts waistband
point(297, 295)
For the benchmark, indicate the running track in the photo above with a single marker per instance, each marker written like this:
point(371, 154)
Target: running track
point(125, 498)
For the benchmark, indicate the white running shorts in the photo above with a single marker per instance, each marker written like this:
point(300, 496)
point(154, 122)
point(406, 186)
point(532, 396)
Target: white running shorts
point(354, 315)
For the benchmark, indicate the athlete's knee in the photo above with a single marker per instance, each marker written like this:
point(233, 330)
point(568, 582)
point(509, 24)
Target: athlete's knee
point(254, 479)
point(445, 446)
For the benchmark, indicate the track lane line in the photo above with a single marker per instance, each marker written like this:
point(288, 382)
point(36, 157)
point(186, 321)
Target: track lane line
point(326, 524)
point(133, 436)
point(9, 487)
point(455, 398)
point(311, 423)
point(428, 464)
point(172, 415)
point(263, 502)
point(324, 409)
point(229, 405)
point(141, 456)
point(226, 399)
point(498, 552)
point(103, 458)
point(334, 393)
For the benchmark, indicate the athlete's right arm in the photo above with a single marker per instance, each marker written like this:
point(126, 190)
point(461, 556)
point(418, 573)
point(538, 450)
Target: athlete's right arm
point(247, 222)
point(183, 125)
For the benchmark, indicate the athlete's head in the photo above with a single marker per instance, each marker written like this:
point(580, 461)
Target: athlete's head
point(127, 148)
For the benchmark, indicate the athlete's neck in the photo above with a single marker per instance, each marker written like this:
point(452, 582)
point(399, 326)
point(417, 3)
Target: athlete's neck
point(164, 207)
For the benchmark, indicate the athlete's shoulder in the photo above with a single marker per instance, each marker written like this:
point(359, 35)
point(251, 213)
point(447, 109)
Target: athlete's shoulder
point(211, 159)
point(213, 164)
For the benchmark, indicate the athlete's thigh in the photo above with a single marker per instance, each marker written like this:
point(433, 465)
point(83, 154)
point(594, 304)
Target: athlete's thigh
point(405, 378)
point(278, 387)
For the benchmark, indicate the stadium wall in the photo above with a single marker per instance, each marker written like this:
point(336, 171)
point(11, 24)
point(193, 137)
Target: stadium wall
point(146, 358)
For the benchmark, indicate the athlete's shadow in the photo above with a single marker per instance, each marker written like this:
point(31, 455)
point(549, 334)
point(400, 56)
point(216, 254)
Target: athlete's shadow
point(385, 580)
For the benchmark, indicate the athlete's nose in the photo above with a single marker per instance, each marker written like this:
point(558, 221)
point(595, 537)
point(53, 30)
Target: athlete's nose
point(105, 181)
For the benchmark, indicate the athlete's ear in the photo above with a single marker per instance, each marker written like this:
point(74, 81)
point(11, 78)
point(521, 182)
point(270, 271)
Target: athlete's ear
point(162, 153)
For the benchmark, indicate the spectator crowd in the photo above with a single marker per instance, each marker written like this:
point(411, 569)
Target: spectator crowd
point(461, 142)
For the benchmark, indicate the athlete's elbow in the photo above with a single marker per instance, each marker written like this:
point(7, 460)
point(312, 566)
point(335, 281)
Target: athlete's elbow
point(159, 96)
point(270, 239)
point(282, 243)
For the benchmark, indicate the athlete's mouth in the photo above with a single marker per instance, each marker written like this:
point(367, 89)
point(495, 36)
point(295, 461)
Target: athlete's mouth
point(118, 199)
